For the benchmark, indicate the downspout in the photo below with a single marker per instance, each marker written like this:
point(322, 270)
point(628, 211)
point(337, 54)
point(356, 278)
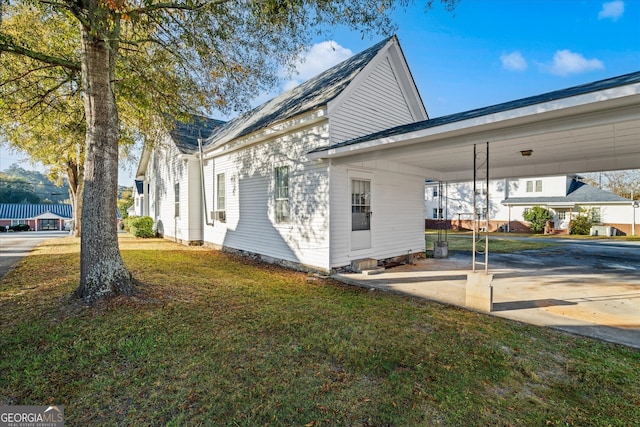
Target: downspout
point(203, 192)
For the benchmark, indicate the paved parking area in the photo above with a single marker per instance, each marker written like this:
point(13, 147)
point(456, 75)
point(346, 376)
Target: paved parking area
point(16, 245)
point(578, 289)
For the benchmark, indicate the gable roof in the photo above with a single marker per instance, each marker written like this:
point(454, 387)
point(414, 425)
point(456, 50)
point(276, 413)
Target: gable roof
point(185, 135)
point(313, 93)
point(578, 193)
point(27, 211)
point(498, 108)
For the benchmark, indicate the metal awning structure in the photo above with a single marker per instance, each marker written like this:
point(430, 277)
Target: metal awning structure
point(587, 128)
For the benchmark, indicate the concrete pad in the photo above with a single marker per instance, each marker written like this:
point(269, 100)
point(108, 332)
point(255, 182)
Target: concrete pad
point(603, 304)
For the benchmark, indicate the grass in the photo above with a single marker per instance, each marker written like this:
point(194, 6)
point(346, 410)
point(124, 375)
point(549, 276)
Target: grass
point(497, 243)
point(214, 339)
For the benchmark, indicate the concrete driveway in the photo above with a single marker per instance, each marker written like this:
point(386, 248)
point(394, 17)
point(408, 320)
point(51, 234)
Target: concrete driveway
point(16, 245)
point(590, 288)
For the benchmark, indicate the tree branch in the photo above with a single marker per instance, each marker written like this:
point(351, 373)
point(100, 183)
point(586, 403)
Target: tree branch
point(38, 56)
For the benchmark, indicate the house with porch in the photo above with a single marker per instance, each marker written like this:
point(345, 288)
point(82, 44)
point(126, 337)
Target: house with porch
point(565, 196)
point(39, 217)
point(332, 172)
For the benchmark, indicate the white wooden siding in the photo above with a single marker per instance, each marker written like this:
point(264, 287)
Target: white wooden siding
point(250, 220)
point(166, 168)
point(397, 222)
point(377, 104)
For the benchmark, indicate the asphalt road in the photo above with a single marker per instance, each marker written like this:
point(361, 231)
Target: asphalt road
point(15, 246)
point(577, 254)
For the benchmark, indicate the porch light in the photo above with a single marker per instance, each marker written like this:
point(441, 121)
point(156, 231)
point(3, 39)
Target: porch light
point(526, 153)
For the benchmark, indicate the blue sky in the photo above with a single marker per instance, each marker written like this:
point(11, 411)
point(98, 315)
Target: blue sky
point(487, 52)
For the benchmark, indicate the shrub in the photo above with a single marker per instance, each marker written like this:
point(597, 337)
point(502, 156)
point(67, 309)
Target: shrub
point(538, 217)
point(581, 224)
point(20, 227)
point(140, 226)
point(126, 226)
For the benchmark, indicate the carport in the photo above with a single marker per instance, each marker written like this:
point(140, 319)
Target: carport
point(588, 128)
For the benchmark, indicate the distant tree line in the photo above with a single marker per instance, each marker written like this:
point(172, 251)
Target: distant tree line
point(625, 183)
point(18, 185)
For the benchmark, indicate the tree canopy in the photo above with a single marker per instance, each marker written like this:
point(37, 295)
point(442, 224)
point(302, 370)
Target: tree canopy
point(625, 183)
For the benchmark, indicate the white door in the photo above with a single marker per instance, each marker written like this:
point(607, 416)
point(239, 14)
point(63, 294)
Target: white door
point(360, 214)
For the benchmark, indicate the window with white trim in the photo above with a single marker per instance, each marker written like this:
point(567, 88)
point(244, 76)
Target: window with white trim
point(282, 194)
point(176, 200)
point(220, 198)
point(534, 186)
point(360, 205)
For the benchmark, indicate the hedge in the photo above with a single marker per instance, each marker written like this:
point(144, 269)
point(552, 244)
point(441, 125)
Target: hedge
point(140, 226)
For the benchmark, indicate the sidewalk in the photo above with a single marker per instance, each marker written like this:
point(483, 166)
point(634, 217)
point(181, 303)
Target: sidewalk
point(598, 304)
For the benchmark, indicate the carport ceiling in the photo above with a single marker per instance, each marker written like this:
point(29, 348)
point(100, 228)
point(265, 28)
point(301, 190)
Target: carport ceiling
point(589, 128)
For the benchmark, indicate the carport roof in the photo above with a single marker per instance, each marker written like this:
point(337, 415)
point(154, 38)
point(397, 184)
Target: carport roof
point(505, 106)
point(591, 127)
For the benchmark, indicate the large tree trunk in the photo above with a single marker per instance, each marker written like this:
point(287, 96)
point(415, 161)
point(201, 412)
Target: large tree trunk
point(102, 271)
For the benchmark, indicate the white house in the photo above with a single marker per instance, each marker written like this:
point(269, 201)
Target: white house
point(333, 171)
point(564, 196)
point(251, 186)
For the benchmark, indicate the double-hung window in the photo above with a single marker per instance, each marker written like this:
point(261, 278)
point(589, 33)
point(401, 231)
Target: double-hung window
point(282, 194)
point(176, 200)
point(220, 198)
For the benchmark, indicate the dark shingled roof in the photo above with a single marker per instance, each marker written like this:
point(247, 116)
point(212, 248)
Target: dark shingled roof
point(578, 193)
point(309, 95)
point(506, 106)
point(185, 135)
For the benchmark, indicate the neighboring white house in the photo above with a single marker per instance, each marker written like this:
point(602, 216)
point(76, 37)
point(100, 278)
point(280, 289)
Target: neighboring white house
point(255, 190)
point(564, 196)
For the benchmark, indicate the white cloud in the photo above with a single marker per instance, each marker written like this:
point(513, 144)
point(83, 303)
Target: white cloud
point(566, 62)
point(612, 10)
point(513, 61)
point(320, 57)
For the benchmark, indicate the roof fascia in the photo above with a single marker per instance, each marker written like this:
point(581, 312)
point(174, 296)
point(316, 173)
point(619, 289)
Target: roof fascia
point(407, 83)
point(628, 95)
point(275, 130)
point(143, 163)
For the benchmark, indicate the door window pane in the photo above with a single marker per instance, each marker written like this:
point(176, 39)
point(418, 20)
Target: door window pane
point(360, 205)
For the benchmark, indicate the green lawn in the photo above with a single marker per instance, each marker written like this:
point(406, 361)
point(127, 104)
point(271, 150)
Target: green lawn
point(497, 244)
point(213, 339)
